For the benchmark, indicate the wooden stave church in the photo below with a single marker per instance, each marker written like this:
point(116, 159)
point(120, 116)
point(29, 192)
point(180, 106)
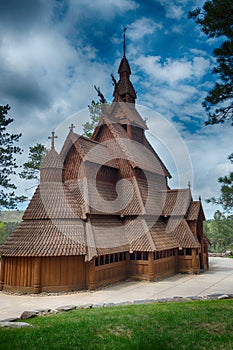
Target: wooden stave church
point(68, 240)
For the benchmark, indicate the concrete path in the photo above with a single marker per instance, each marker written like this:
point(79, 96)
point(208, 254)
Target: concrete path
point(219, 279)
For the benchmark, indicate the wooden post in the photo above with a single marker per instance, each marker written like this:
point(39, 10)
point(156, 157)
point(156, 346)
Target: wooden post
point(202, 262)
point(127, 265)
point(177, 266)
point(91, 275)
point(207, 257)
point(2, 274)
point(37, 275)
point(195, 265)
point(151, 266)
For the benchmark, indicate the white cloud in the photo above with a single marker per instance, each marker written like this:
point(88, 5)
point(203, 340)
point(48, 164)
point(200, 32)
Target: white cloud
point(172, 71)
point(45, 79)
point(173, 9)
point(207, 149)
point(177, 29)
point(104, 8)
point(141, 27)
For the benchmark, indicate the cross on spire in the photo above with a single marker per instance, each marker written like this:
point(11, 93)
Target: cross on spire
point(72, 127)
point(124, 30)
point(52, 137)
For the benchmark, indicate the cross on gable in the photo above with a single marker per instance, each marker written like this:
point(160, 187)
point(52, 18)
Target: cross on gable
point(72, 127)
point(52, 137)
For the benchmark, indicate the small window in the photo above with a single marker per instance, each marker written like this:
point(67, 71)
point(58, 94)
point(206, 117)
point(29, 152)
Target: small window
point(107, 259)
point(116, 257)
point(132, 256)
point(145, 256)
point(180, 252)
point(188, 251)
point(124, 126)
point(102, 260)
point(111, 258)
point(96, 262)
point(139, 256)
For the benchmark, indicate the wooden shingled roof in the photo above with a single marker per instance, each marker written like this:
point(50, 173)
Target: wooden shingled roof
point(182, 232)
point(88, 149)
point(176, 202)
point(52, 200)
point(163, 239)
point(101, 197)
point(46, 238)
point(52, 160)
point(121, 111)
point(109, 235)
point(138, 155)
point(138, 235)
point(194, 210)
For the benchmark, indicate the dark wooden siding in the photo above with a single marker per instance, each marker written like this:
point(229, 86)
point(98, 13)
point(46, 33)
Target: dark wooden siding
point(71, 164)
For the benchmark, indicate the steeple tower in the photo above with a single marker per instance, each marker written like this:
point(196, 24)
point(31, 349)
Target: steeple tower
point(124, 88)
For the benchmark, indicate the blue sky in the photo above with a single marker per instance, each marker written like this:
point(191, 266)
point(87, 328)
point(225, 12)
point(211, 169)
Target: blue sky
point(54, 52)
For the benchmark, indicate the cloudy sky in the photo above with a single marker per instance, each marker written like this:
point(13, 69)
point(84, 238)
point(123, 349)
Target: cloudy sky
point(54, 51)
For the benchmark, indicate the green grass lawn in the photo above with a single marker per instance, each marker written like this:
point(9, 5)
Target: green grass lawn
point(182, 325)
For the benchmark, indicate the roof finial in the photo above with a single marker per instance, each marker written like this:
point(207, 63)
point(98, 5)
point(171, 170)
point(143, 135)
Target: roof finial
point(72, 127)
point(199, 198)
point(189, 185)
point(101, 96)
point(52, 139)
point(124, 30)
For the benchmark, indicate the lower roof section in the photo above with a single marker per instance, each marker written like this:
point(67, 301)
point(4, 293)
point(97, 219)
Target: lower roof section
point(98, 235)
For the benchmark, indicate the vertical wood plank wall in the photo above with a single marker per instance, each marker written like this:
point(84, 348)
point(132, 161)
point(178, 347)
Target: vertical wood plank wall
point(63, 273)
point(19, 274)
point(56, 274)
point(111, 273)
point(67, 273)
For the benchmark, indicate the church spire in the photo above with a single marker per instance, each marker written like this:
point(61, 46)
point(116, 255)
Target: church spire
point(124, 88)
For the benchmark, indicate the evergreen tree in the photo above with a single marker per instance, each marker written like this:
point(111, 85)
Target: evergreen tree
point(216, 21)
point(8, 150)
point(95, 114)
point(226, 198)
point(31, 169)
point(5, 230)
point(220, 232)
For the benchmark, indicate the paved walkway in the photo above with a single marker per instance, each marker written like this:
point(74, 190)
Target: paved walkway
point(219, 279)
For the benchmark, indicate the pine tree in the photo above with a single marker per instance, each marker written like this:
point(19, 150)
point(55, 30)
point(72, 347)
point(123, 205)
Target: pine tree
point(95, 114)
point(226, 198)
point(216, 21)
point(8, 165)
point(31, 168)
